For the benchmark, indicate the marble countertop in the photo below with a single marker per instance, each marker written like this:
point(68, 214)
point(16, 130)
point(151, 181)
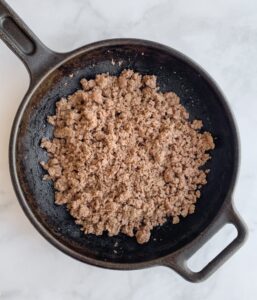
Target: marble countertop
point(219, 35)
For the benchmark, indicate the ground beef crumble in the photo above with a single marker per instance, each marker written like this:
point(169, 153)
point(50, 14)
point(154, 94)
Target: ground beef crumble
point(124, 156)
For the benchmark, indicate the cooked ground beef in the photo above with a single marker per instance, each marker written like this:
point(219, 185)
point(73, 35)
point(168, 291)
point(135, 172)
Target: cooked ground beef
point(124, 156)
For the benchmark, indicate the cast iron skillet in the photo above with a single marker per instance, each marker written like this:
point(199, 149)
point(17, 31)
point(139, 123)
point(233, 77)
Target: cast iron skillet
point(51, 79)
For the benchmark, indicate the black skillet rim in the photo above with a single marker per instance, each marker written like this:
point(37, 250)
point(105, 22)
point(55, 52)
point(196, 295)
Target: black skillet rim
point(12, 150)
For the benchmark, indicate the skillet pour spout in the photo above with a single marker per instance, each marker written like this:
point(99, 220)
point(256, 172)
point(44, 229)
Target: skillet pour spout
point(170, 245)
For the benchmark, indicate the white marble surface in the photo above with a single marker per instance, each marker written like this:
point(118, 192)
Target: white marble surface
point(222, 37)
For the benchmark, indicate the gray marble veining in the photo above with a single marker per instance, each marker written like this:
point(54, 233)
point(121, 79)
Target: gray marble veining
point(219, 35)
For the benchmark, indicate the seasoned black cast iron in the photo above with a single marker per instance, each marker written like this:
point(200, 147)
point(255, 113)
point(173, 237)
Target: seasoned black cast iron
point(49, 81)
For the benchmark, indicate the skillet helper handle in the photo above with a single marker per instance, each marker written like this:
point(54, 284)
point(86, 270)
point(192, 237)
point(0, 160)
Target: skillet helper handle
point(178, 261)
point(24, 43)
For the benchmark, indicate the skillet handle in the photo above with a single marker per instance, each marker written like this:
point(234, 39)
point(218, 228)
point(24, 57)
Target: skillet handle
point(24, 43)
point(178, 261)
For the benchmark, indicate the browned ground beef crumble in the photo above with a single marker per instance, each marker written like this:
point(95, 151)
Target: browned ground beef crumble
point(124, 156)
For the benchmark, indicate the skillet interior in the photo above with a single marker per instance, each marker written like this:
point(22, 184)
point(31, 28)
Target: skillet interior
point(175, 73)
